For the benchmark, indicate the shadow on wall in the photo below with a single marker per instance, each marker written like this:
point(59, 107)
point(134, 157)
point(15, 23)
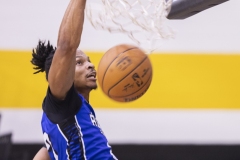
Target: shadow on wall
point(7, 151)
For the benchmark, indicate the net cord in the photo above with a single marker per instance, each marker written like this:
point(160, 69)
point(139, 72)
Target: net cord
point(133, 17)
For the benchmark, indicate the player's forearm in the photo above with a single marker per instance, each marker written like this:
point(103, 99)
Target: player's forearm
point(72, 24)
point(42, 154)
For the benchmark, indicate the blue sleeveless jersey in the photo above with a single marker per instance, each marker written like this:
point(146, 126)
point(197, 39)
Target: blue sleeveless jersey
point(78, 137)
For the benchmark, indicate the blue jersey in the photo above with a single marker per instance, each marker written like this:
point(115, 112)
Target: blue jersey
point(73, 134)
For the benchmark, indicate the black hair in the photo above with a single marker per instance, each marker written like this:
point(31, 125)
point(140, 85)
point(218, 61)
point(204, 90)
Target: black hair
point(42, 57)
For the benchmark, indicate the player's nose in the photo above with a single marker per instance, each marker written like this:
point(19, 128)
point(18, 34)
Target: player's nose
point(90, 66)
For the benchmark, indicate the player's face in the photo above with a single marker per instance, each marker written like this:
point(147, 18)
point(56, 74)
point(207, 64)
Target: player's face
point(85, 73)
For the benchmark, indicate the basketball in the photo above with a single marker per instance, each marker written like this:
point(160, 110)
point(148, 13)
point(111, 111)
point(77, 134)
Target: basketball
point(124, 73)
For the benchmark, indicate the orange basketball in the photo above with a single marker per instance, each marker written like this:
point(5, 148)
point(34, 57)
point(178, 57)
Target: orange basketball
point(124, 73)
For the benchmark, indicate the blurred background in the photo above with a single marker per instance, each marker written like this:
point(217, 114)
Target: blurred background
point(190, 112)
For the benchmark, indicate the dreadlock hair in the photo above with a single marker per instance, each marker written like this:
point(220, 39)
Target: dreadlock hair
point(42, 57)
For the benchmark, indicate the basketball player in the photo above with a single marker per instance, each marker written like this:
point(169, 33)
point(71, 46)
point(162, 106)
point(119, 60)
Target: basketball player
point(69, 125)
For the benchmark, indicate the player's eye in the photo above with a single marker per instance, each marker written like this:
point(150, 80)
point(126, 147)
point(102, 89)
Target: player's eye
point(78, 63)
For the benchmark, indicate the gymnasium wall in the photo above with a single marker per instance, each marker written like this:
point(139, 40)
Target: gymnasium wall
point(193, 99)
point(180, 81)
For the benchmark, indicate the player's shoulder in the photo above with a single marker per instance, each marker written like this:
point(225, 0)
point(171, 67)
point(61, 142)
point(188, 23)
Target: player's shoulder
point(57, 110)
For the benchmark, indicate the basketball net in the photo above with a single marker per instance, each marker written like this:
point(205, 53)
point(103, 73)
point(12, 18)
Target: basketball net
point(142, 20)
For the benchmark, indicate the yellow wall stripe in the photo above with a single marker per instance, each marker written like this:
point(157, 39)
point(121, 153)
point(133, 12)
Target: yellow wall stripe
point(179, 81)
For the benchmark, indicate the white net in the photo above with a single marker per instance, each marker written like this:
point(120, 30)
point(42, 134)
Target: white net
point(135, 18)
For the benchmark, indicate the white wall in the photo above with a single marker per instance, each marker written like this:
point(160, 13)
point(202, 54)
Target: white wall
point(24, 22)
point(139, 126)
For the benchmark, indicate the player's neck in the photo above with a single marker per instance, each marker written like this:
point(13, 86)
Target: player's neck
point(85, 95)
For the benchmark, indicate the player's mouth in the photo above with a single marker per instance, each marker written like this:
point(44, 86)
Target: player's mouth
point(92, 75)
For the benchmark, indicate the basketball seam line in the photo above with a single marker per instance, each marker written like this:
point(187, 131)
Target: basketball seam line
point(113, 61)
point(125, 77)
point(135, 91)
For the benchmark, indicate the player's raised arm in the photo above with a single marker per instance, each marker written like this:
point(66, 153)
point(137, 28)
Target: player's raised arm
point(61, 73)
